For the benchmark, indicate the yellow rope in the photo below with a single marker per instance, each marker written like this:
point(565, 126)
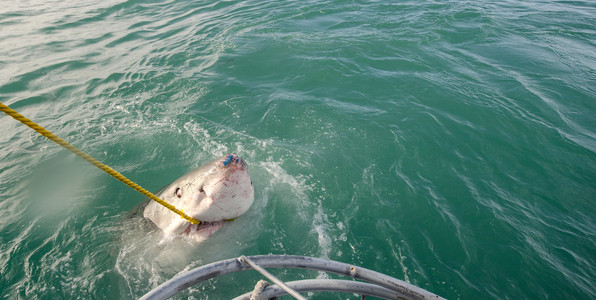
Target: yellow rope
point(52, 137)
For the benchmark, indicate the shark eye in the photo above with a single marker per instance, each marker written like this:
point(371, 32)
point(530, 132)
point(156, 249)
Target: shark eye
point(201, 190)
point(178, 192)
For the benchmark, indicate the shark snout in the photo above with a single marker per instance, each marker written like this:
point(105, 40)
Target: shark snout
point(234, 161)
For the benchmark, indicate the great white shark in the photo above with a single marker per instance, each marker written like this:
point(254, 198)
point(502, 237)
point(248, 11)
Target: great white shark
point(217, 191)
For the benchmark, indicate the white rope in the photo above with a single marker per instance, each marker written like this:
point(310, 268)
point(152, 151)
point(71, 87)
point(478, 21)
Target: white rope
point(285, 287)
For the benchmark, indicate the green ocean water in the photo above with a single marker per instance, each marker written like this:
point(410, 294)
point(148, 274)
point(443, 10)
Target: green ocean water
point(450, 144)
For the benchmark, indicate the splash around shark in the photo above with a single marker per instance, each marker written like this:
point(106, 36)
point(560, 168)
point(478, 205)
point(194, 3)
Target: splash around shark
point(217, 191)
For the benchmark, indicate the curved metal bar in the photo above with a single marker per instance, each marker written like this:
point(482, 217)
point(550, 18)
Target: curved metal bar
point(328, 285)
point(189, 278)
point(271, 277)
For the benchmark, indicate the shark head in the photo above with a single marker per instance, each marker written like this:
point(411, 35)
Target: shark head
point(217, 191)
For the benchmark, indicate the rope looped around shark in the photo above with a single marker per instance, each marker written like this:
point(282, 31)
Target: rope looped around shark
point(52, 137)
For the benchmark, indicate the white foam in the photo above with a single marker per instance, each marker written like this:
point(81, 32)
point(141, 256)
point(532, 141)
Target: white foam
point(306, 209)
point(202, 138)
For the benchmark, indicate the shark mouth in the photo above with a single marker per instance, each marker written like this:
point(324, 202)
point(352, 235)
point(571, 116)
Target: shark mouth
point(203, 230)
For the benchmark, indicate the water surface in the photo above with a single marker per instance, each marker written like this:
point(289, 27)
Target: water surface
point(449, 144)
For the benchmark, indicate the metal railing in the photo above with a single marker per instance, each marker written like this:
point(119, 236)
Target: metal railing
point(376, 285)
